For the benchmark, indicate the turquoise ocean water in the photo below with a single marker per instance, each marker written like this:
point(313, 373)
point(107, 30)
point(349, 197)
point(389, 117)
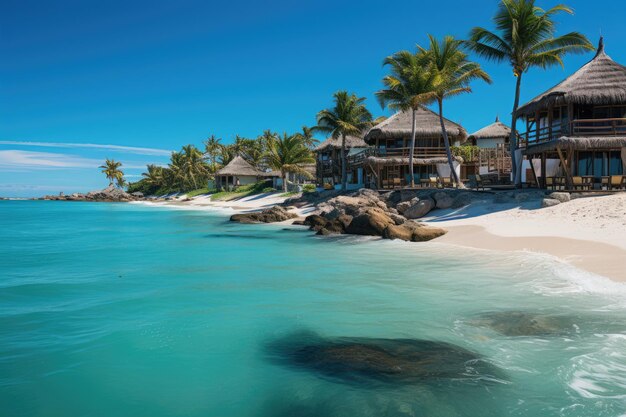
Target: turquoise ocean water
point(128, 310)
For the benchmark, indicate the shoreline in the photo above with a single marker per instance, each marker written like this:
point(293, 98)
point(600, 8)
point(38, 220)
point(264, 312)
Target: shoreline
point(587, 233)
point(570, 232)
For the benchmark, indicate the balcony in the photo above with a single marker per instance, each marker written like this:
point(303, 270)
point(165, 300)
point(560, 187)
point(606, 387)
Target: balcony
point(579, 127)
point(419, 152)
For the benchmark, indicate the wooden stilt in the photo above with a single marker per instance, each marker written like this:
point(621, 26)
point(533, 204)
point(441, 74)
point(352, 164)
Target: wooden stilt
point(532, 166)
point(568, 175)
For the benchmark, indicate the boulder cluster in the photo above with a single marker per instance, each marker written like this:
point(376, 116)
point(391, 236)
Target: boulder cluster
point(109, 194)
point(369, 213)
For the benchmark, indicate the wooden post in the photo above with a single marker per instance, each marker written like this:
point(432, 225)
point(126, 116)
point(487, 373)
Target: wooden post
point(550, 111)
point(543, 169)
point(568, 175)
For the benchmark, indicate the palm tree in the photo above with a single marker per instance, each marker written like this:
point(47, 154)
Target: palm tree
point(112, 171)
point(348, 117)
point(154, 175)
point(452, 74)
point(212, 149)
point(227, 153)
point(524, 37)
point(289, 154)
point(408, 87)
point(307, 136)
point(194, 168)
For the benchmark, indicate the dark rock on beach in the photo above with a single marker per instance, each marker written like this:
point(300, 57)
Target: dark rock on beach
point(401, 361)
point(271, 215)
point(367, 213)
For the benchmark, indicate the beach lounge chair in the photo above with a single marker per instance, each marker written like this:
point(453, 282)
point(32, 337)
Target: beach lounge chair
point(447, 182)
point(551, 183)
point(397, 183)
point(432, 181)
point(605, 183)
point(618, 182)
point(577, 183)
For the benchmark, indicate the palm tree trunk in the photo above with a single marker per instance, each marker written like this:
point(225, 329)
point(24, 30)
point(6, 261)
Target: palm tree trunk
point(446, 143)
point(513, 137)
point(344, 165)
point(412, 151)
point(284, 181)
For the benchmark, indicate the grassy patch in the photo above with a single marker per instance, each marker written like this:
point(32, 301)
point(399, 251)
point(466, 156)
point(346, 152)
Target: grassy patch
point(289, 194)
point(199, 191)
point(240, 192)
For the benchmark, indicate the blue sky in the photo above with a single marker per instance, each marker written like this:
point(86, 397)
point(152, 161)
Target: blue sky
point(155, 75)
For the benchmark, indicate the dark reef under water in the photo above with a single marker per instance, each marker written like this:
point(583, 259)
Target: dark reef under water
point(394, 361)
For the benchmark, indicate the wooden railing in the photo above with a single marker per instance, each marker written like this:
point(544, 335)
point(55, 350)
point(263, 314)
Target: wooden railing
point(599, 127)
point(419, 152)
point(579, 127)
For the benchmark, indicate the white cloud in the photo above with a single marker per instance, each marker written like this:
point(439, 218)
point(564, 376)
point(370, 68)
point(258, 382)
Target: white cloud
point(11, 160)
point(118, 148)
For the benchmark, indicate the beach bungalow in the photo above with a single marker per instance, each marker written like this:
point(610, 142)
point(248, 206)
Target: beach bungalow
point(240, 172)
point(576, 131)
point(492, 155)
point(328, 161)
point(386, 162)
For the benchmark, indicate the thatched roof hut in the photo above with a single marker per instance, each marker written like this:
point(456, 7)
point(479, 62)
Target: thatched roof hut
point(600, 81)
point(427, 125)
point(496, 130)
point(239, 167)
point(335, 143)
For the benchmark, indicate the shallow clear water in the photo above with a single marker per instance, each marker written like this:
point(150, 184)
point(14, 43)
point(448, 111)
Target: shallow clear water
point(128, 310)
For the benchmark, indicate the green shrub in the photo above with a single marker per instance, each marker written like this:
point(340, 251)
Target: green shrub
point(308, 188)
point(269, 190)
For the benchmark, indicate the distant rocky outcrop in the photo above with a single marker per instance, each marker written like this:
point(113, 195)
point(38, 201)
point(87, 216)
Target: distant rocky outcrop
point(271, 215)
point(109, 194)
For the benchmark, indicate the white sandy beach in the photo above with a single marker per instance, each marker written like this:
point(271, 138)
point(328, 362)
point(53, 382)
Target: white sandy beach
point(589, 233)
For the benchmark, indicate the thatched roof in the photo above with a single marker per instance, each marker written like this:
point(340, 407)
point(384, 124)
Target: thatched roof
point(578, 143)
point(335, 143)
point(495, 130)
point(388, 161)
point(427, 125)
point(239, 167)
point(600, 81)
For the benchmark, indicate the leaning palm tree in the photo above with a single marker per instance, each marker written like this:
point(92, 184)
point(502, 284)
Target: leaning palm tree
point(348, 117)
point(524, 37)
point(408, 87)
point(289, 154)
point(307, 136)
point(452, 74)
point(112, 171)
